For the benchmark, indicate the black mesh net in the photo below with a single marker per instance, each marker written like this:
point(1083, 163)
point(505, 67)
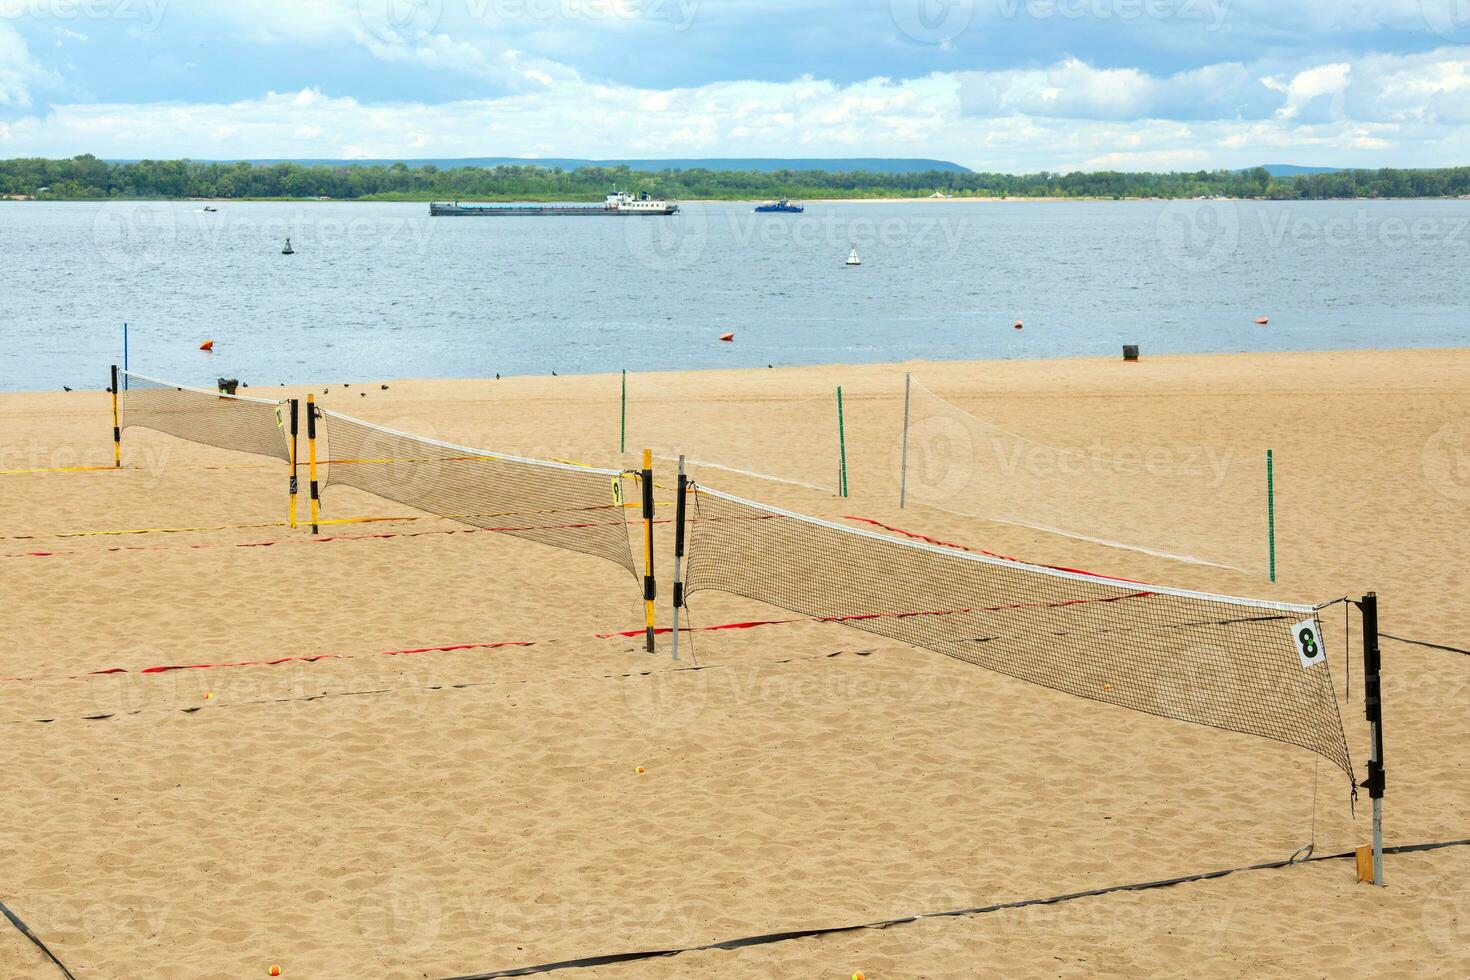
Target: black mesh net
point(247, 425)
point(1211, 660)
point(570, 507)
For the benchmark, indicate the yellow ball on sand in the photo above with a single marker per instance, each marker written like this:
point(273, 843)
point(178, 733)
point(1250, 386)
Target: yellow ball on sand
point(209, 695)
point(640, 770)
point(858, 975)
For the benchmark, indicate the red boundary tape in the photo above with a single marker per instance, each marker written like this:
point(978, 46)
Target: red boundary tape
point(751, 624)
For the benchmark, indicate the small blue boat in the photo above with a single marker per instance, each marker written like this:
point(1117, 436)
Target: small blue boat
point(782, 206)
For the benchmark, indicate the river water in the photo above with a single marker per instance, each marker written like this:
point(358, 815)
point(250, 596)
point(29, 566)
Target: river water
point(384, 291)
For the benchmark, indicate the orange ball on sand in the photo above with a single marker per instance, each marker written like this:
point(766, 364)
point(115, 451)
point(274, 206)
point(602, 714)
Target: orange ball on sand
point(275, 971)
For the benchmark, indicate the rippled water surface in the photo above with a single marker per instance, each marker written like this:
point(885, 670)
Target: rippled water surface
point(383, 290)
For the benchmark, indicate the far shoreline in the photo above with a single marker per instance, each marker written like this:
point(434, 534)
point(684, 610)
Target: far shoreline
point(1047, 199)
point(1002, 364)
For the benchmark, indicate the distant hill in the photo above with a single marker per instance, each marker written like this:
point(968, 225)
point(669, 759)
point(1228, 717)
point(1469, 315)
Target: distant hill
point(876, 165)
point(1292, 170)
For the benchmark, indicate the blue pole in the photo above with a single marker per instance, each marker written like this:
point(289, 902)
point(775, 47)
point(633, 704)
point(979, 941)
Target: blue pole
point(125, 356)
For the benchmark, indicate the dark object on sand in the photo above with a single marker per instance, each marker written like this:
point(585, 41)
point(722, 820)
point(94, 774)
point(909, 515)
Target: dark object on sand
point(228, 386)
point(1130, 352)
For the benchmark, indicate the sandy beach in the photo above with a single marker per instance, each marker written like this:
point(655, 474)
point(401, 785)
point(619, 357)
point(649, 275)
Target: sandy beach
point(424, 761)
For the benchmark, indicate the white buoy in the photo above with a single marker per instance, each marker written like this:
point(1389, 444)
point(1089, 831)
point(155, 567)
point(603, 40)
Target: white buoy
point(852, 257)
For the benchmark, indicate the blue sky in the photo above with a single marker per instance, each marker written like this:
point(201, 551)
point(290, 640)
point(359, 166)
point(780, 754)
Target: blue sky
point(1017, 85)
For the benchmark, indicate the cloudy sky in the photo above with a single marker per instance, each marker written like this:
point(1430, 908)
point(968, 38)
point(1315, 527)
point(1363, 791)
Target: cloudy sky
point(1014, 85)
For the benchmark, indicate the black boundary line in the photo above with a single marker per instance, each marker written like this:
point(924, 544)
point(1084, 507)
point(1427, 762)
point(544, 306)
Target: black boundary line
point(1421, 643)
point(781, 937)
point(467, 685)
point(25, 930)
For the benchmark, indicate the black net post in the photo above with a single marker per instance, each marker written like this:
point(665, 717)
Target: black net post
point(679, 513)
point(116, 424)
point(295, 430)
point(650, 588)
point(311, 463)
point(1373, 710)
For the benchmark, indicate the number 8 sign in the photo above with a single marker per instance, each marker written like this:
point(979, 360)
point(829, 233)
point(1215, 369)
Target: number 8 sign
point(1308, 639)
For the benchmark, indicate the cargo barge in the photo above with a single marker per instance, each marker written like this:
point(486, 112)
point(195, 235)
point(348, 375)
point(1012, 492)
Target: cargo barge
point(617, 203)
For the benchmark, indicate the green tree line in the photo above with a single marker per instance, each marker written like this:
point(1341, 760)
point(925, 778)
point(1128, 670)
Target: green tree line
point(86, 177)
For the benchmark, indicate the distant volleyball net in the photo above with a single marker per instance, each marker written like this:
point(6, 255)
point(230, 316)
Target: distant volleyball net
point(1241, 665)
point(258, 426)
point(212, 418)
point(1196, 504)
point(734, 435)
point(574, 508)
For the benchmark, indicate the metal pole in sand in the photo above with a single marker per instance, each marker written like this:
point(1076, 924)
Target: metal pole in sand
point(903, 466)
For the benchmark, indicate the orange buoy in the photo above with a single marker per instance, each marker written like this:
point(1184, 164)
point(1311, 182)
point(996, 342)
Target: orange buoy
point(727, 336)
point(1263, 320)
point(1019, 324)
point(207, 345)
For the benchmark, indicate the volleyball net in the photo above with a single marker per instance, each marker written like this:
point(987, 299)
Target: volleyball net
point(574, 508)
point(1241, 665)
point(733, 436)
point(1199, 504)
point(235, 422)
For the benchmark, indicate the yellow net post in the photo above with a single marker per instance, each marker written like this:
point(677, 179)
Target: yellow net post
point(311, 463)
point(650, 589)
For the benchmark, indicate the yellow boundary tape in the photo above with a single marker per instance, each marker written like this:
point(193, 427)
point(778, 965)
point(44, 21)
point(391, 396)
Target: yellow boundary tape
point(233, 527)
point(59, 469)
point(333, 522)
point(211, 527)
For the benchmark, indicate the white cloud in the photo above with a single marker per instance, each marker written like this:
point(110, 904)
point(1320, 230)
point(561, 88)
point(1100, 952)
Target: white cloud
point(1312, 85)
point(1372, 111)
point(17, 68)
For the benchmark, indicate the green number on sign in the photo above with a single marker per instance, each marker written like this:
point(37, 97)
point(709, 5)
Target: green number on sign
point(1308, 640)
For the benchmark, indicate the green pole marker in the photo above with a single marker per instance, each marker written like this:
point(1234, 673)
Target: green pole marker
point(623, 439)
point(1271, 510)
point(842, 447)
